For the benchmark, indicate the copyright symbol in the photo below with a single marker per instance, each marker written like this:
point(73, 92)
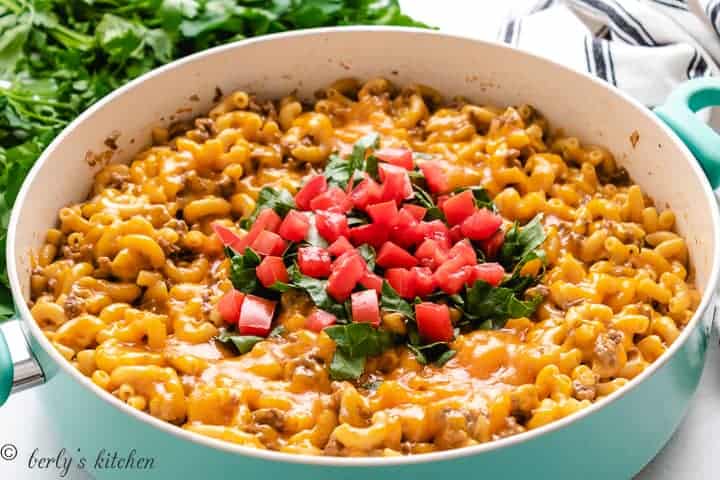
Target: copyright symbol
point(8, 452)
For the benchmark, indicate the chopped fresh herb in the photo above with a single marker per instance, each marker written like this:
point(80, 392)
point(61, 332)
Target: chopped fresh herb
point(521, 244)
point(390, 301)
point(345, 367)
point(278, 199)
point(339, 171)
point(438, 353)
point(368, 254)
point(317, 291)
point(243, 343)
point(424, 199)
point(490, 307)
point(355, 342)
point(482, 197)
point(242, 270)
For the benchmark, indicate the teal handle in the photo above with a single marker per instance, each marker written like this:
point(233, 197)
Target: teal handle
point(678, 112)
point(6, 370)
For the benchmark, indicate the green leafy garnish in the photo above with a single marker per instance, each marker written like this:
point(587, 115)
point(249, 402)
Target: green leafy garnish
point(278, 199)
point(242, 270)
point(482, 197)
point(438, 353)
point(317, 291)
point(424, 199)
point(521, 244)
point(368, 254)
point(243, 343)
point(355, 342)
point(338, 171)
point(490, 307)
point(390, 301)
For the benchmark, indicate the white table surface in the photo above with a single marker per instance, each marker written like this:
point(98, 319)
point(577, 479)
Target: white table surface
point(691, 453)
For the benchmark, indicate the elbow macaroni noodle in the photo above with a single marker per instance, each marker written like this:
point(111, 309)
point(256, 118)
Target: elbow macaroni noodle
point(126, 286)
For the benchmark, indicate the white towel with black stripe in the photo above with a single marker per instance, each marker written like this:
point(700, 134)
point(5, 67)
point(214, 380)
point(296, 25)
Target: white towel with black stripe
point(644, 47)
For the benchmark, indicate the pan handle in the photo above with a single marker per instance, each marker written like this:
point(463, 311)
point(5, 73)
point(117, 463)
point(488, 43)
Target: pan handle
point(7, 370)
point(678, 112)
point(18, 367)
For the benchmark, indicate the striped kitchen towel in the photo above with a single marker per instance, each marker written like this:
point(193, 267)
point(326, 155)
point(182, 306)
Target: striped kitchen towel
point(643, 47)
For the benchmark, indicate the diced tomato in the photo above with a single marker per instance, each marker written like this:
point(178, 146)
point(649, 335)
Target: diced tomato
point(395, 183)
point(366, 193)
point(459, 207)
point(456, 234)
point(401, 279)
point(333, 200)
point(319, 319)
point(481, 224)
point(423, 281)
point(492, 273)
point(314, 187)
point(372, 281)
point(433, 321)
point(491, 246)
point(393, 256)
point(434, 176)
point(256, 316)
point(228, 237)
point(331, 225)
point(372, 234)
point(314, 262)
point(464, 250)
point(340, 246)
point(347, 270)
point(384, 213)
point(416, 211)
point(268, 220)
point(229, 306)
point(437, 230)
point(402, 157)
point(431, 253)
point(450, 276)
point(365, 308)
point(406, 231)
point(271, 270)
point(269, 243)
point(294, 227)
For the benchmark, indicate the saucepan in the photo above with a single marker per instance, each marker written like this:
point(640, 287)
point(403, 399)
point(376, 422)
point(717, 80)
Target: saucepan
point(670, 153)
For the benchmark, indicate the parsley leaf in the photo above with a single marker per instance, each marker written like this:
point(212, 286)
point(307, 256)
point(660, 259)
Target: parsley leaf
point(490, 307)
point(317, 291)
point(521, 244)
point(278, 199)
point(355, 342)
point(424, 199)
point(242, 270)
point(338, 171)
point(482, 197)
point(243, 343)
point(390, 301)
point(368, 254)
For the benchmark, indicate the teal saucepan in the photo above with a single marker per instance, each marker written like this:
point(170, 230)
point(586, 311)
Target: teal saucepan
point(613, 438)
